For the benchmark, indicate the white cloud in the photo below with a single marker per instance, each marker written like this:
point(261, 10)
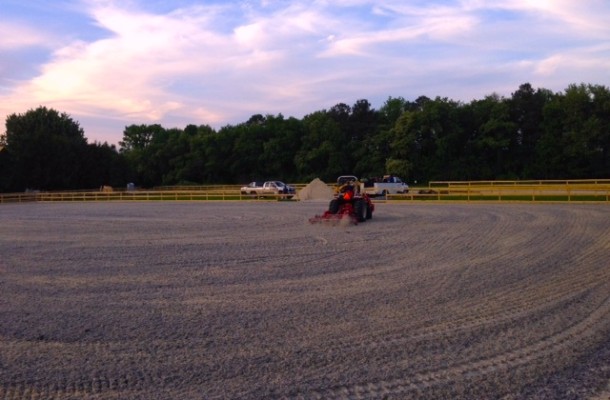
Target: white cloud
point(407, 25)
point(127, 73)
point(587, 18)
point(15, 36)
point(220, 64)
point(549, 65)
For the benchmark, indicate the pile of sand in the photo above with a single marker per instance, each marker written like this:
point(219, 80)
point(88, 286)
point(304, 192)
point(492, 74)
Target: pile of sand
point(316, 190)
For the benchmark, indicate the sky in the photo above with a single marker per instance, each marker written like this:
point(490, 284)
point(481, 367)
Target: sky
point(109, 64)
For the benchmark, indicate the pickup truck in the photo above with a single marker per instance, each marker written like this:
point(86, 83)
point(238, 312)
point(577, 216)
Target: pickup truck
point(389, 184)
point(257, 188)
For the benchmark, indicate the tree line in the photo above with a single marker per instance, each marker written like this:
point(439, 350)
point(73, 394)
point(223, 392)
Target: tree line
point(533, 134)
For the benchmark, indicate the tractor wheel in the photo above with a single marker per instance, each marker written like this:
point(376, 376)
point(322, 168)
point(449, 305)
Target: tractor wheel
point(369, 211)
point(333, 207)
point(360, 210)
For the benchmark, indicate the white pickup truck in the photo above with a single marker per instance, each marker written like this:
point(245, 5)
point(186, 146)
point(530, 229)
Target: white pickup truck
point(389, 184)
point(268, 188)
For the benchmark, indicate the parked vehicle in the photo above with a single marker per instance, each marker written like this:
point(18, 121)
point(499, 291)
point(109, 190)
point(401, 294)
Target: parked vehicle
point(286, 189)
point(388, 184)
point(252, 187)
point(257, 188)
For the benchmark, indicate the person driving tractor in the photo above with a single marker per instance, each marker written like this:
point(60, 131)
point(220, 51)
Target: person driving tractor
point(348, 202)
point(346, 192)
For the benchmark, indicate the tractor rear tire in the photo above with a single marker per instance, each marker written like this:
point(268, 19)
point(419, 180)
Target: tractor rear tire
point(369, 211)
point(333, 207)
point(360, 210)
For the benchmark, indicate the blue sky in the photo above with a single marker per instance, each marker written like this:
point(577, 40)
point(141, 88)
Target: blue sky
point(113, 63)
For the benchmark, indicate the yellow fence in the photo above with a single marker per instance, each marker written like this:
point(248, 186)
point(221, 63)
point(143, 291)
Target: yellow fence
point(225, 194)
point(526, 191)
point(556, 182)
point(597, 190)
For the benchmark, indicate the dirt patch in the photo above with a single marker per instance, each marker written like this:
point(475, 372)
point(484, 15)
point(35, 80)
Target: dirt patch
point(248, 300)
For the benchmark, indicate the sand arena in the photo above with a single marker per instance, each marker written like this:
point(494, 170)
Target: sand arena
point(206, 300)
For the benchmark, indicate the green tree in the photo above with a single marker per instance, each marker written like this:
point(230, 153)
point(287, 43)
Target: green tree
point(248, 149)
point(378, 143)
point(281, 146)
point(138, 137)
point(322, 153)
point(391, 110)
point(427, 140)
point(142, 146)
point(363, 127)
point(406, 146)
point(104, 165)
point(217, 149)
point(5, 168)
point(599, 123)
point(550, 159)
point(185, 155)
point(175, 152)
point(398, 167)
point(527, 113)
point(576, 135)
point(445, 119)
point(495, 138)
point(46, 150)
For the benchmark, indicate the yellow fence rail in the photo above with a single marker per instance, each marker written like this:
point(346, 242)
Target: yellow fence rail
point(504, 183)
point(138, 195)
point(590, 190)
point(596, 190)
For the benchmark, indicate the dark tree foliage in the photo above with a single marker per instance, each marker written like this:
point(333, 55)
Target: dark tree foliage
point(322, 152)
point(43, 149)
point(527, 112)
point(103, 166)
point(533, 134)
point(46, 149)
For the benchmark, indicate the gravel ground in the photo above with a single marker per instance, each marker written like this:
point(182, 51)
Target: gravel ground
point(207, 300)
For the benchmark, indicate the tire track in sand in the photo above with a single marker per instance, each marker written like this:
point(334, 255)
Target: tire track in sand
point(425, 316)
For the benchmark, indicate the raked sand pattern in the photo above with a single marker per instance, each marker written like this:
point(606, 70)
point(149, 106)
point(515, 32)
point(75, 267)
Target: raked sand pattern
point(207, 300)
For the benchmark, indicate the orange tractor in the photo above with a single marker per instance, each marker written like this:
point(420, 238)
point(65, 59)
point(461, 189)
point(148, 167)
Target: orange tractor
point(350, 203)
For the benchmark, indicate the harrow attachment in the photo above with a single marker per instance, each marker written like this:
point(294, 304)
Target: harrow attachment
point(344, 215)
